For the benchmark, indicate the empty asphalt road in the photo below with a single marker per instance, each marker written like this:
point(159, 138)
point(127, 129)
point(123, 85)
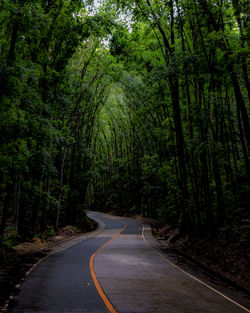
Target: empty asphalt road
point(120, 268)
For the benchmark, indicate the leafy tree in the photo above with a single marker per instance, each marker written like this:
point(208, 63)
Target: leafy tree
point(139, 107)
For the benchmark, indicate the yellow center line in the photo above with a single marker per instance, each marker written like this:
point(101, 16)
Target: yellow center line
point(92, 271)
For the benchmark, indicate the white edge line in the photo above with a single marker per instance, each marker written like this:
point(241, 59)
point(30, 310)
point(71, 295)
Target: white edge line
point(190, 275)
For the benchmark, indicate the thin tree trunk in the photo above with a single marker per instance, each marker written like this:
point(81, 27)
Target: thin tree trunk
point(5, 212)
point(241, 107)
point(60, 187)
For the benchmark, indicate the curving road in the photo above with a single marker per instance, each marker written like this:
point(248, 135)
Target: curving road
point(120, 268)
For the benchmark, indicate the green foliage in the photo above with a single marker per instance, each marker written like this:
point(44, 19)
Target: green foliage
point(185, 166)
point(136, 107)
point(48, 232)
point(12, 237)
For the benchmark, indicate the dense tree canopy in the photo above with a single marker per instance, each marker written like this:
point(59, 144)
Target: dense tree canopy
point(139, 107)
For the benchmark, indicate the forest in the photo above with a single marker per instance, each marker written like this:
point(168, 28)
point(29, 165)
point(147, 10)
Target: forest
point(132, 107)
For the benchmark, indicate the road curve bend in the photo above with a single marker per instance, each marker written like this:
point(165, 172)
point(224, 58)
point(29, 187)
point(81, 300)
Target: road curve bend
point(119, 269)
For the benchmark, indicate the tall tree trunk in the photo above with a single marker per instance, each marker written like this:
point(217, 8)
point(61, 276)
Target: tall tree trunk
point(6, 206)
point(60, 187)
point(241, 107)
point(174, 88)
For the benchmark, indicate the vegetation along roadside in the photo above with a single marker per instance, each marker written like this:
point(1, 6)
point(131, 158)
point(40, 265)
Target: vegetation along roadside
point(135, 107)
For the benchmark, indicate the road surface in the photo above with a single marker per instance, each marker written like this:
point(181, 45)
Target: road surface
point(120, 268)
